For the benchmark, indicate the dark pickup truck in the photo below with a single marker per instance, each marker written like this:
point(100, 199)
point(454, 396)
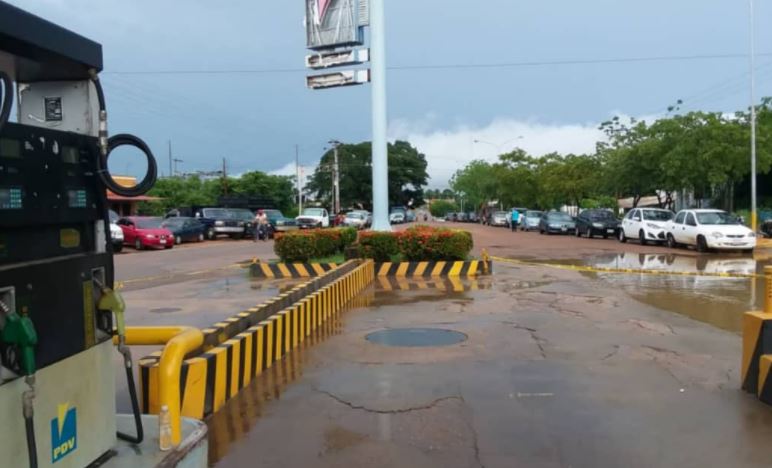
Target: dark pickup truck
point(218, 221)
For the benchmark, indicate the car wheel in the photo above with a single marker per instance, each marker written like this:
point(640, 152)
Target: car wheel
point(642, 237)
point(201, 237)
point(210, 234)
point(702, 244)
point(178, 240)
point(577, 232)
point(167, 247)
point(621, 236)
point(138, 244)
point(541, 231)
point(671, 242)
point(588, 234)
point(117, 248)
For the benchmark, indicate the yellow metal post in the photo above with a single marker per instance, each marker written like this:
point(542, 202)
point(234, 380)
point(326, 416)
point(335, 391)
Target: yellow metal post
point(768, 289)
point(178, 342)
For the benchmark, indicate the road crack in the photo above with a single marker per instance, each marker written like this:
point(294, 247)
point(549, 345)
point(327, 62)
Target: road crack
point(354, 406)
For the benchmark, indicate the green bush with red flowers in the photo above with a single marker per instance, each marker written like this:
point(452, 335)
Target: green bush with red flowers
point(302, 246)
point(419, 243)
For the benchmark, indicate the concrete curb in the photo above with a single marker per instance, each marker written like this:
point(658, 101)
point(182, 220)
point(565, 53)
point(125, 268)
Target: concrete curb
point(434, 269)
point(290, 270)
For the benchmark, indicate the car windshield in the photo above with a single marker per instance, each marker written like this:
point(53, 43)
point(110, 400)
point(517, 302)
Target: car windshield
point(114, 216)
point(533, 214)
point(273, 214)
point(214, 213)
point(355, 215)
point(242, 214)
point(657, 215)
point(716, 218)
point(559, 217)
point(174, 222)
point(501, 213)
point(601, 215)
point(313, 212)
point(148, 223)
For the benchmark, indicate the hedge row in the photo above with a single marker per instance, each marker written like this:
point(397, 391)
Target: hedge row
point(302, 246)
point(420, 243)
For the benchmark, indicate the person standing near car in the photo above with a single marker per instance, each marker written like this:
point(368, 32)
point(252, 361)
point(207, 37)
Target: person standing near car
point(515, 219)
point(261, 222)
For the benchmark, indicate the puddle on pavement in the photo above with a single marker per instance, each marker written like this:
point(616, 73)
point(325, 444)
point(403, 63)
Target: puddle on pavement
point(165, 310)
point(719, 301)
point(400, 291)
point(416, 337)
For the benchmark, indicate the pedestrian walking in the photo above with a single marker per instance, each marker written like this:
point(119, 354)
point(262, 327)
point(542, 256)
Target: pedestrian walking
point(515, 220)
point(261, 225)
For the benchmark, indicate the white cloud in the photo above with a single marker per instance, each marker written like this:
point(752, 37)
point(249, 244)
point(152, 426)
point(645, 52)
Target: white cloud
point(448, 150)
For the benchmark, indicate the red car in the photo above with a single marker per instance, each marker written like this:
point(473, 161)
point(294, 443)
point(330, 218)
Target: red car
point(144, 232)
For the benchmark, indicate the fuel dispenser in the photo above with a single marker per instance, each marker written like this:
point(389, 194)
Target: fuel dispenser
point(58, 311)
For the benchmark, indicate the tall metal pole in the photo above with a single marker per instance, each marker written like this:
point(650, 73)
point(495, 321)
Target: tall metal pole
point(754, 214)
point(336, 180)
point(171, 173)
point(380, 150)
point(297, 175)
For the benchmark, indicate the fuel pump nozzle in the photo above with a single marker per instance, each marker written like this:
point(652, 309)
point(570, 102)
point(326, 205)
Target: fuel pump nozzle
point(20, 332)
point(113, 301)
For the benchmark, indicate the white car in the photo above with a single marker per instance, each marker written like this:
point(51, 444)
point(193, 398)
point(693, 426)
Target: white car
point(646, 225)
point(396, 217)
point(709, 229)
point(116, 233)
point(355, 219)
point(313, 218)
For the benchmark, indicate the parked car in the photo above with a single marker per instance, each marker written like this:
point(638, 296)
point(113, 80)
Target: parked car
point(594, 222)
point(709, 229)
point(462, 217)
point(396, 217)
point(645, 224)
point(313, 218)
point(185, 229)
point(355, 219)
point(410, 216)
point(530, 220)
point(195, 212)
point(472, 217)
point(280, 223)
point(247, 217)
point(766, 228)
point(500, 218)
point(116, 233)
point(556, 222)
point(145, 232)
point(521, 212)
point(224, 222)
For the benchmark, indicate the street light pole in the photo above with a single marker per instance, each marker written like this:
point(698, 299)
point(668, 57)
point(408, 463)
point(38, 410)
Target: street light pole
point(378, 83)
point(297, 182)
point(754, 214)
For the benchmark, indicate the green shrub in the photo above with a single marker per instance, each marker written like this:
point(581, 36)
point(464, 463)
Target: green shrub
point(380, 246)
point(440, 208)
point(301, 246)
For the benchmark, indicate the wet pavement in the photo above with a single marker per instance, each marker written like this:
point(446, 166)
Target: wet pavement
point(559, 368)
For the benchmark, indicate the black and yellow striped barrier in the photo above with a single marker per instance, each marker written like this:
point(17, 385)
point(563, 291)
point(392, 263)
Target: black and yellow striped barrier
point(434, 269)
point(219, 373)
point(290, 270)
point(757, 342)
point(452, 283)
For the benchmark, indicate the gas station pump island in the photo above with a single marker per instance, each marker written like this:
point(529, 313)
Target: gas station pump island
point(61, 322)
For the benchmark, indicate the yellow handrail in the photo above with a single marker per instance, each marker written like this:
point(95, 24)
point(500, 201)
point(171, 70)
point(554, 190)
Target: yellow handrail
point(178, 341)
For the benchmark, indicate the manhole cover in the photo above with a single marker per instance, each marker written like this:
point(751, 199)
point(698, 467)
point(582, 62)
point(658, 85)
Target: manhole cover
point(416, 337)
point(165, 310)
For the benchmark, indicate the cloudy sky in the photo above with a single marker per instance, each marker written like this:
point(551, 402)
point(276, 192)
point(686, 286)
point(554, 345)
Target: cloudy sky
point(539, 75)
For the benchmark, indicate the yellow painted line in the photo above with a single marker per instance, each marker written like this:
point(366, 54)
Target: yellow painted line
point(635, 271)
point(302, 271)
point(420, 269)
point(438, 268)
point(266, 269)
point(455, 270)
point(284, 270)
point(317, 269)
point(402, 269)
point(473, 268)
point(384, 269)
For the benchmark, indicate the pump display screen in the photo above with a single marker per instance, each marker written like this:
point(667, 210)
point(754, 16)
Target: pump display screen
point(10, 148)
point(76, 198)
point(10, 198)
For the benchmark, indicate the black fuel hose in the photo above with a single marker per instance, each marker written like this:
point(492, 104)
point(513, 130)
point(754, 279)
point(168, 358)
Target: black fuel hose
point(32, 450)
point(135, 409)
point(5, 106)
point(151, 175)
point(107, 145)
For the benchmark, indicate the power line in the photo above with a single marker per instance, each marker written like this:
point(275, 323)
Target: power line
point(454, 66)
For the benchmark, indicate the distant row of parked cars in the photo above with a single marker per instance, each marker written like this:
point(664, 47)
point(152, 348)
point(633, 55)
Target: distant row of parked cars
point(703, 229)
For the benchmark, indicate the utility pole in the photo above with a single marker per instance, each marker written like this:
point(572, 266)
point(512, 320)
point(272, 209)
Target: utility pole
point(224, 177)
point(754, 214)
point(297, 182)
point(380, 150)
point(170, 159)
point(176, 160)
point(335, 178)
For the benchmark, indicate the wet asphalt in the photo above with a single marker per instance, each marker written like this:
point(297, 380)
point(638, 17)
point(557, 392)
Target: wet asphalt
point(556, 368)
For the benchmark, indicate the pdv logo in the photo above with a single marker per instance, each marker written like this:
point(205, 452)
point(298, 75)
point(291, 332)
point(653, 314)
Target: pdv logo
point(64, 433)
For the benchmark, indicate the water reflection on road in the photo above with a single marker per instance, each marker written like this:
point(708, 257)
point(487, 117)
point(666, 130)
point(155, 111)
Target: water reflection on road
point(718, 300)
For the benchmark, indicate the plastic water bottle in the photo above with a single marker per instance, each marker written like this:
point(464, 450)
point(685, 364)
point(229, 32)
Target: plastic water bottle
point(164, 429)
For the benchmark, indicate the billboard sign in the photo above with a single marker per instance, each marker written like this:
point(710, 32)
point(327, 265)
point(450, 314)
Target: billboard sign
point(335, 23)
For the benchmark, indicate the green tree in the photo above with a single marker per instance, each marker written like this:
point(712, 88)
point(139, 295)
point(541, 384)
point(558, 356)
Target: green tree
point(440, 208)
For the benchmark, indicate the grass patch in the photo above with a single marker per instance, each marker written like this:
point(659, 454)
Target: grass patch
point(337, 258)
